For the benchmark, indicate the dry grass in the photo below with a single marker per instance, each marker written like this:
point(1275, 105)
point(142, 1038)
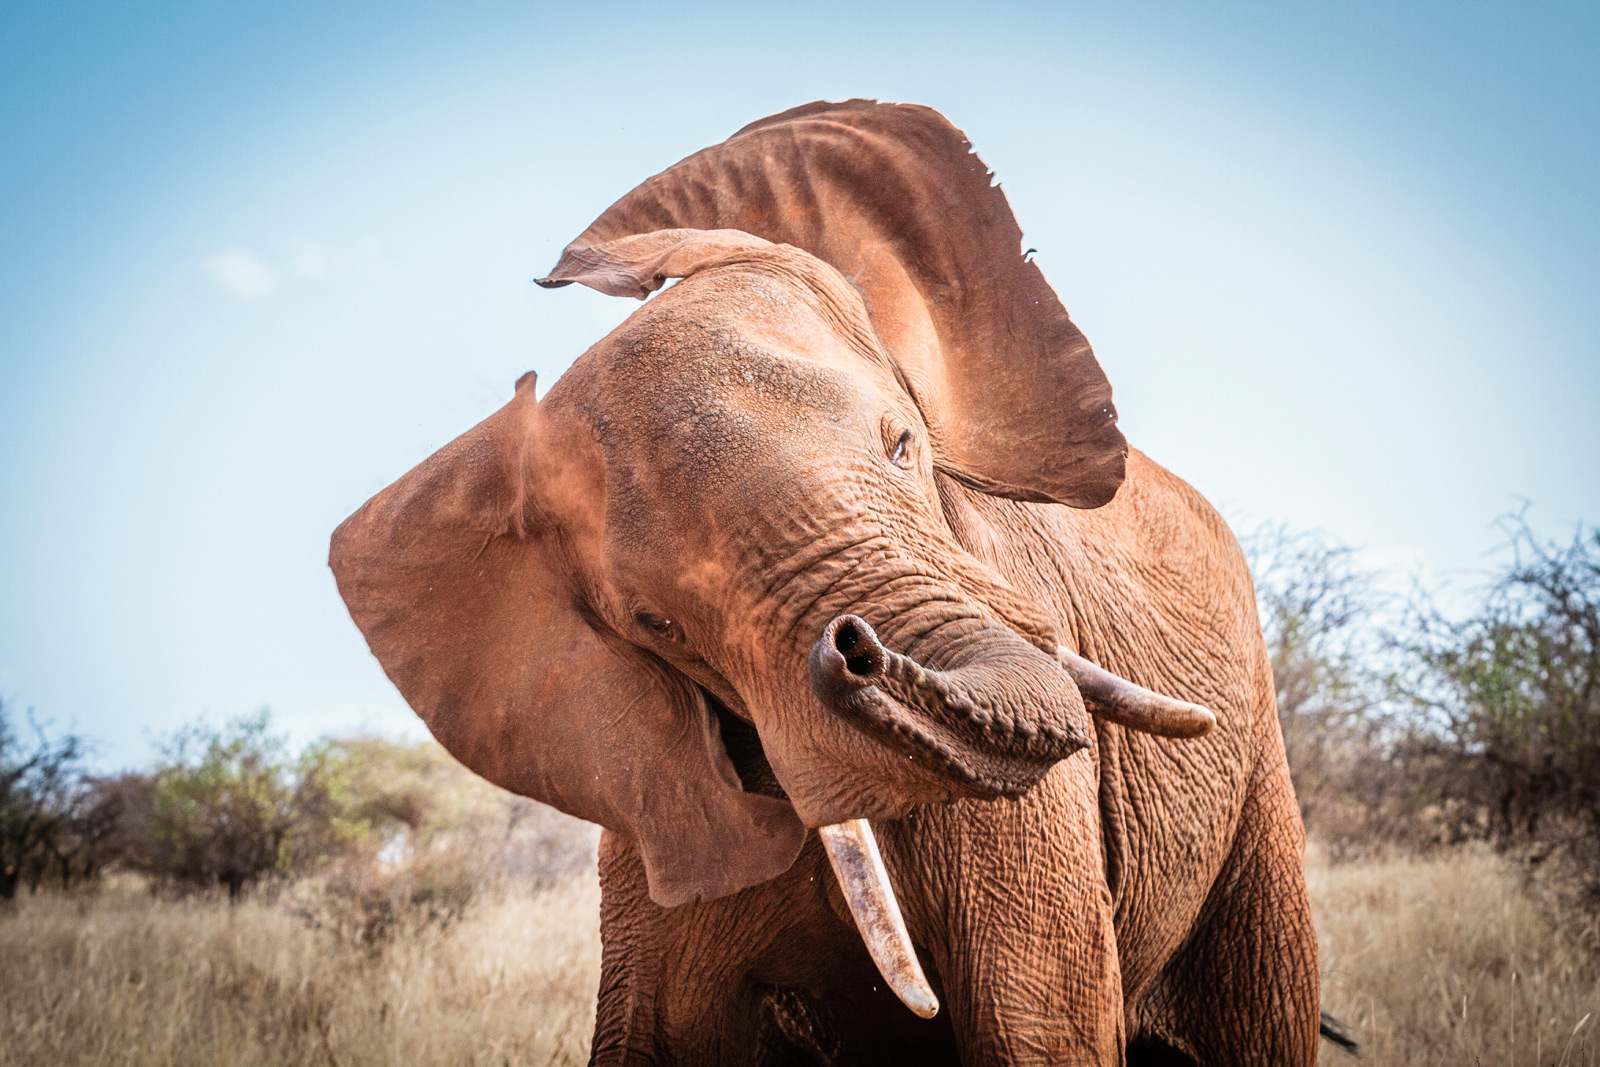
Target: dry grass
point(1441, 960)
point(1446, 959)
point(118, 977)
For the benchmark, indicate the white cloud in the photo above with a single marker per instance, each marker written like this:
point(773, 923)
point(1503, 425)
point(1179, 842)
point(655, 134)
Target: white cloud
point(239, 272)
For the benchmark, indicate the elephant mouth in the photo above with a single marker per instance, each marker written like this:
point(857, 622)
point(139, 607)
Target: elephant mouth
point(852, 851)
point(949, 721)
point(742, 743)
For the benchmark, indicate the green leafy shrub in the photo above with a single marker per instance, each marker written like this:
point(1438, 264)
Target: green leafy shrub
point(1507, 707)
point(228, 807)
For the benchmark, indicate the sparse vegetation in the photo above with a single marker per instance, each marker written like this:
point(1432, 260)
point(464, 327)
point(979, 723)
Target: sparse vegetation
point(370, 902)
point(1408, 725)
point(1447, 958)
point(47, 817)
point(1442, 959)
point(228, 807)
point(1322, 617)
point(397, 909)
point(1506, 706)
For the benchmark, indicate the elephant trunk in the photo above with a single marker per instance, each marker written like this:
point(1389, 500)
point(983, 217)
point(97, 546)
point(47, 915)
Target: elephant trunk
point(994, 722)
point(997, 722)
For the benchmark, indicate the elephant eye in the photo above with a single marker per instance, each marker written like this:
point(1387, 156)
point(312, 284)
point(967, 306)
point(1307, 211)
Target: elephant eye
point(900, 456)
point(656, 624)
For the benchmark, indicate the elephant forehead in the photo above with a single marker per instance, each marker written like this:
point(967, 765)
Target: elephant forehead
point(722, 394)
point(714, 393)
point(727, 426)
point(747, 395)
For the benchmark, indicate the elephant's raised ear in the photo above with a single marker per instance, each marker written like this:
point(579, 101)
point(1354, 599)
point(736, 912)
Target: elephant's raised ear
point(894, 198)
point(639, 264)
point(455, 576)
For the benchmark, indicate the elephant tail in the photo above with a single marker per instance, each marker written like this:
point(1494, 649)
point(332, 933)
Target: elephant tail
point(1335, 1031)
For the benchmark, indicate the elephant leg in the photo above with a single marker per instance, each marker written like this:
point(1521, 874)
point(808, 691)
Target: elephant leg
point(1245, 990)
point(1016, 920)
point(674, 986)
point(773, 976)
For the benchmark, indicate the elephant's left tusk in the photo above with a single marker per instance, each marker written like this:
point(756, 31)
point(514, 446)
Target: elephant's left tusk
point(853, 851)
point(1120, 701)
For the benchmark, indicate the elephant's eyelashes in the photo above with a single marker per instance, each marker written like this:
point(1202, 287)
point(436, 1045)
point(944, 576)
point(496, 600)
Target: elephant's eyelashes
point(656, 624)
point(900, 456)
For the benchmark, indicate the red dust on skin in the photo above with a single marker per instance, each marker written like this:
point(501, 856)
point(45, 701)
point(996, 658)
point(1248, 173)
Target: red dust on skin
point(766, 467)
point(861, 403)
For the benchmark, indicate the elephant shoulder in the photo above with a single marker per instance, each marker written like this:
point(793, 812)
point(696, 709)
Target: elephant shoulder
point(1172, 523)
point(1191, 575)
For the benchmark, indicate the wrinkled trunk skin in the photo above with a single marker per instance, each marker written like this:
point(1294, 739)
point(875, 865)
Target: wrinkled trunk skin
point(1144, 903)
point(998, 718)
point(1047, 990)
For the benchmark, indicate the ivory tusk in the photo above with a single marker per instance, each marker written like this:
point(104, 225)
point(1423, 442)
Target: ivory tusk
point(853, 851)
point(1120, 701)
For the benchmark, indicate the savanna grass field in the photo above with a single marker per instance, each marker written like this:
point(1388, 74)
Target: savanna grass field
point(1444, 959)
point(362, 900)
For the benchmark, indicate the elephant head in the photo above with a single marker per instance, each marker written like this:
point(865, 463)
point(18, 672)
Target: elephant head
point(706, 592)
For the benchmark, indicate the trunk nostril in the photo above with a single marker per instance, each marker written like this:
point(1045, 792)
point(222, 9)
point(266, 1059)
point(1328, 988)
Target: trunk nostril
point(847, 639)
point(1012, 711)
point(848, 653)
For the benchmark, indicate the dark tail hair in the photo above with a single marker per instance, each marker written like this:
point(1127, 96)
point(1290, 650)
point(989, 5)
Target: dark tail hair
point(1334, 1031)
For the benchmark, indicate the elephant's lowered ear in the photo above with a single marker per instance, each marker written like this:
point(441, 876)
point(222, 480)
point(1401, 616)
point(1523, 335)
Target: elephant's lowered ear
point(893, 197)
point(454, 576)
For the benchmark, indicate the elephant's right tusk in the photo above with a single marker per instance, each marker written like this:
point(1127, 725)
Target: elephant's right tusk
point(1120, 701)
point(853, 851)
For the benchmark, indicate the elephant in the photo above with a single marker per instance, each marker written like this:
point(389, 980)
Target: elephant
point(926, 720)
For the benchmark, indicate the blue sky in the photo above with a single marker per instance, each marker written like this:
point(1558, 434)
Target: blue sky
point(1340, 263)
